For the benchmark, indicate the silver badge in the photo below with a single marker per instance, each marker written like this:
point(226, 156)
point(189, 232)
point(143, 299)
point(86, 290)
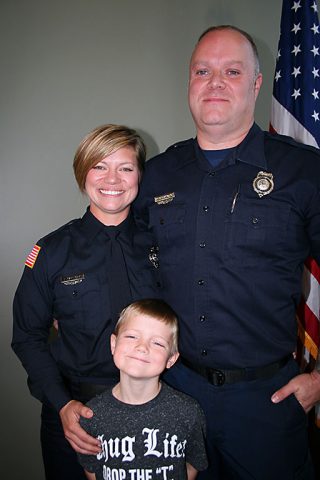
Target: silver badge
point(263, 183)
point(153, 256)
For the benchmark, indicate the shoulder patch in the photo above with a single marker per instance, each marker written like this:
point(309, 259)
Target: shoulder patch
point(32, 257)
point(180, 144)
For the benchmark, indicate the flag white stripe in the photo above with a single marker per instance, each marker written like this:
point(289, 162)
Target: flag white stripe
point(311, 292)
point(286, 124)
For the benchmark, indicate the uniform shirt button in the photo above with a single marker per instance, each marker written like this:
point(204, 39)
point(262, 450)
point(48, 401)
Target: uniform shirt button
point(202, 318)
point(255, 220)
point(205, 208)
point(202, 244)
point(75, 293)
point(212, 174)
point(200, 282)
point(204, 353)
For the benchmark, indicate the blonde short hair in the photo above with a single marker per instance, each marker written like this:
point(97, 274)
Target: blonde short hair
point(157, 309)
point(104, 141)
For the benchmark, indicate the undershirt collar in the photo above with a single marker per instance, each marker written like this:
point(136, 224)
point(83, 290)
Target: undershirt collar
point(215, 157)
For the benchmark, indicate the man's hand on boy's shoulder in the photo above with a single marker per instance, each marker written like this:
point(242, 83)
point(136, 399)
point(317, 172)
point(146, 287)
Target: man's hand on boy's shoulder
point(78, 438)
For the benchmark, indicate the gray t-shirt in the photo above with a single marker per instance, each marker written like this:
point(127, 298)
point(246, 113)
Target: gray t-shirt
point(152, 441)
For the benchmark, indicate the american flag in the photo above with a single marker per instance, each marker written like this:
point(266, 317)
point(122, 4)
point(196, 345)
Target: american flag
point(296, 112)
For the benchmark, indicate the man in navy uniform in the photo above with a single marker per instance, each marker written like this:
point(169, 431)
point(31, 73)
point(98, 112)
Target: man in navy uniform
point(236, 211)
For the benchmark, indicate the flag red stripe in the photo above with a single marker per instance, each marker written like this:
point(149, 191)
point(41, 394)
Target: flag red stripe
point(313, 267)
point(309, 321)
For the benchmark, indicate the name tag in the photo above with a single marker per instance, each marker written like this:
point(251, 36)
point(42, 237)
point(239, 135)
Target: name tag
point(163, 199)
point(72, 279)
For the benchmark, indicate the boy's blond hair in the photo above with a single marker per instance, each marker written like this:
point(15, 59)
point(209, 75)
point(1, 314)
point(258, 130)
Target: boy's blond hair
point(157, 309)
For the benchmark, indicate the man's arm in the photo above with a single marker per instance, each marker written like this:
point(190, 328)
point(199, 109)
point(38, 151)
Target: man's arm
point(305, 387)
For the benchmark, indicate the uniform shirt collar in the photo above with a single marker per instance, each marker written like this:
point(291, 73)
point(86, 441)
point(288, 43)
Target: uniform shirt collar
point(250, 151)
point(91, 226)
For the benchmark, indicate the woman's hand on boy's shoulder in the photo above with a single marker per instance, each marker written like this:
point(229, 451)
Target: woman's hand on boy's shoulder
point(78, 438)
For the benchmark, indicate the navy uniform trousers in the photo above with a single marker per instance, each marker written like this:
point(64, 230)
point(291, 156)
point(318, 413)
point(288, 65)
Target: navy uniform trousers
point(60, 460)
point(276, 446)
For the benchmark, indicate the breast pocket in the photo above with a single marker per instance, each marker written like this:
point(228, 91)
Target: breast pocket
point(255, 233)
point(168, 225)
point(78, 305)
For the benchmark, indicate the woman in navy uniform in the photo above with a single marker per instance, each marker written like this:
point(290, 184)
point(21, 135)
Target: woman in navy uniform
point(82, 275)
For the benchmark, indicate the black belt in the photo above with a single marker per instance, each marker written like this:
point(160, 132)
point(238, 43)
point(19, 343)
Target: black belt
point(219, 376)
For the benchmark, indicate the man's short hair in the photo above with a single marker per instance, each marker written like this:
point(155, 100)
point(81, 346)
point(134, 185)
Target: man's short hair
point(244, 34)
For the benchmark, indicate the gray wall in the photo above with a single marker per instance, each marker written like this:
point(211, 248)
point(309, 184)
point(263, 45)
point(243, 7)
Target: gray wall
point(66, 67)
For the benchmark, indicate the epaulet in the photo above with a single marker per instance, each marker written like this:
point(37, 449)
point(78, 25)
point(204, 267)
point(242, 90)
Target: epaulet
point(291, 141)
point(60, 229)
point(180, 144)
point(71, 222)
point(64, 226)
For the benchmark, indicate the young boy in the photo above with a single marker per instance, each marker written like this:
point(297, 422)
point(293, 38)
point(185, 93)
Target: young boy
point(147, 430)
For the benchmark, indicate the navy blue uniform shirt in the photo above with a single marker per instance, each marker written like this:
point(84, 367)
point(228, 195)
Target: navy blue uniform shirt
point(231, 261)
point(69, 282)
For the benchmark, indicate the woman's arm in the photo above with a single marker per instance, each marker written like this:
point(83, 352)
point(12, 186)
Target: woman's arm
point(191, 472)
point(90, 476)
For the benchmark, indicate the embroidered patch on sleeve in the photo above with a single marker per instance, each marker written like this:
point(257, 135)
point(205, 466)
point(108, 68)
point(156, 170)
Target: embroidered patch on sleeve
point(32, 257)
